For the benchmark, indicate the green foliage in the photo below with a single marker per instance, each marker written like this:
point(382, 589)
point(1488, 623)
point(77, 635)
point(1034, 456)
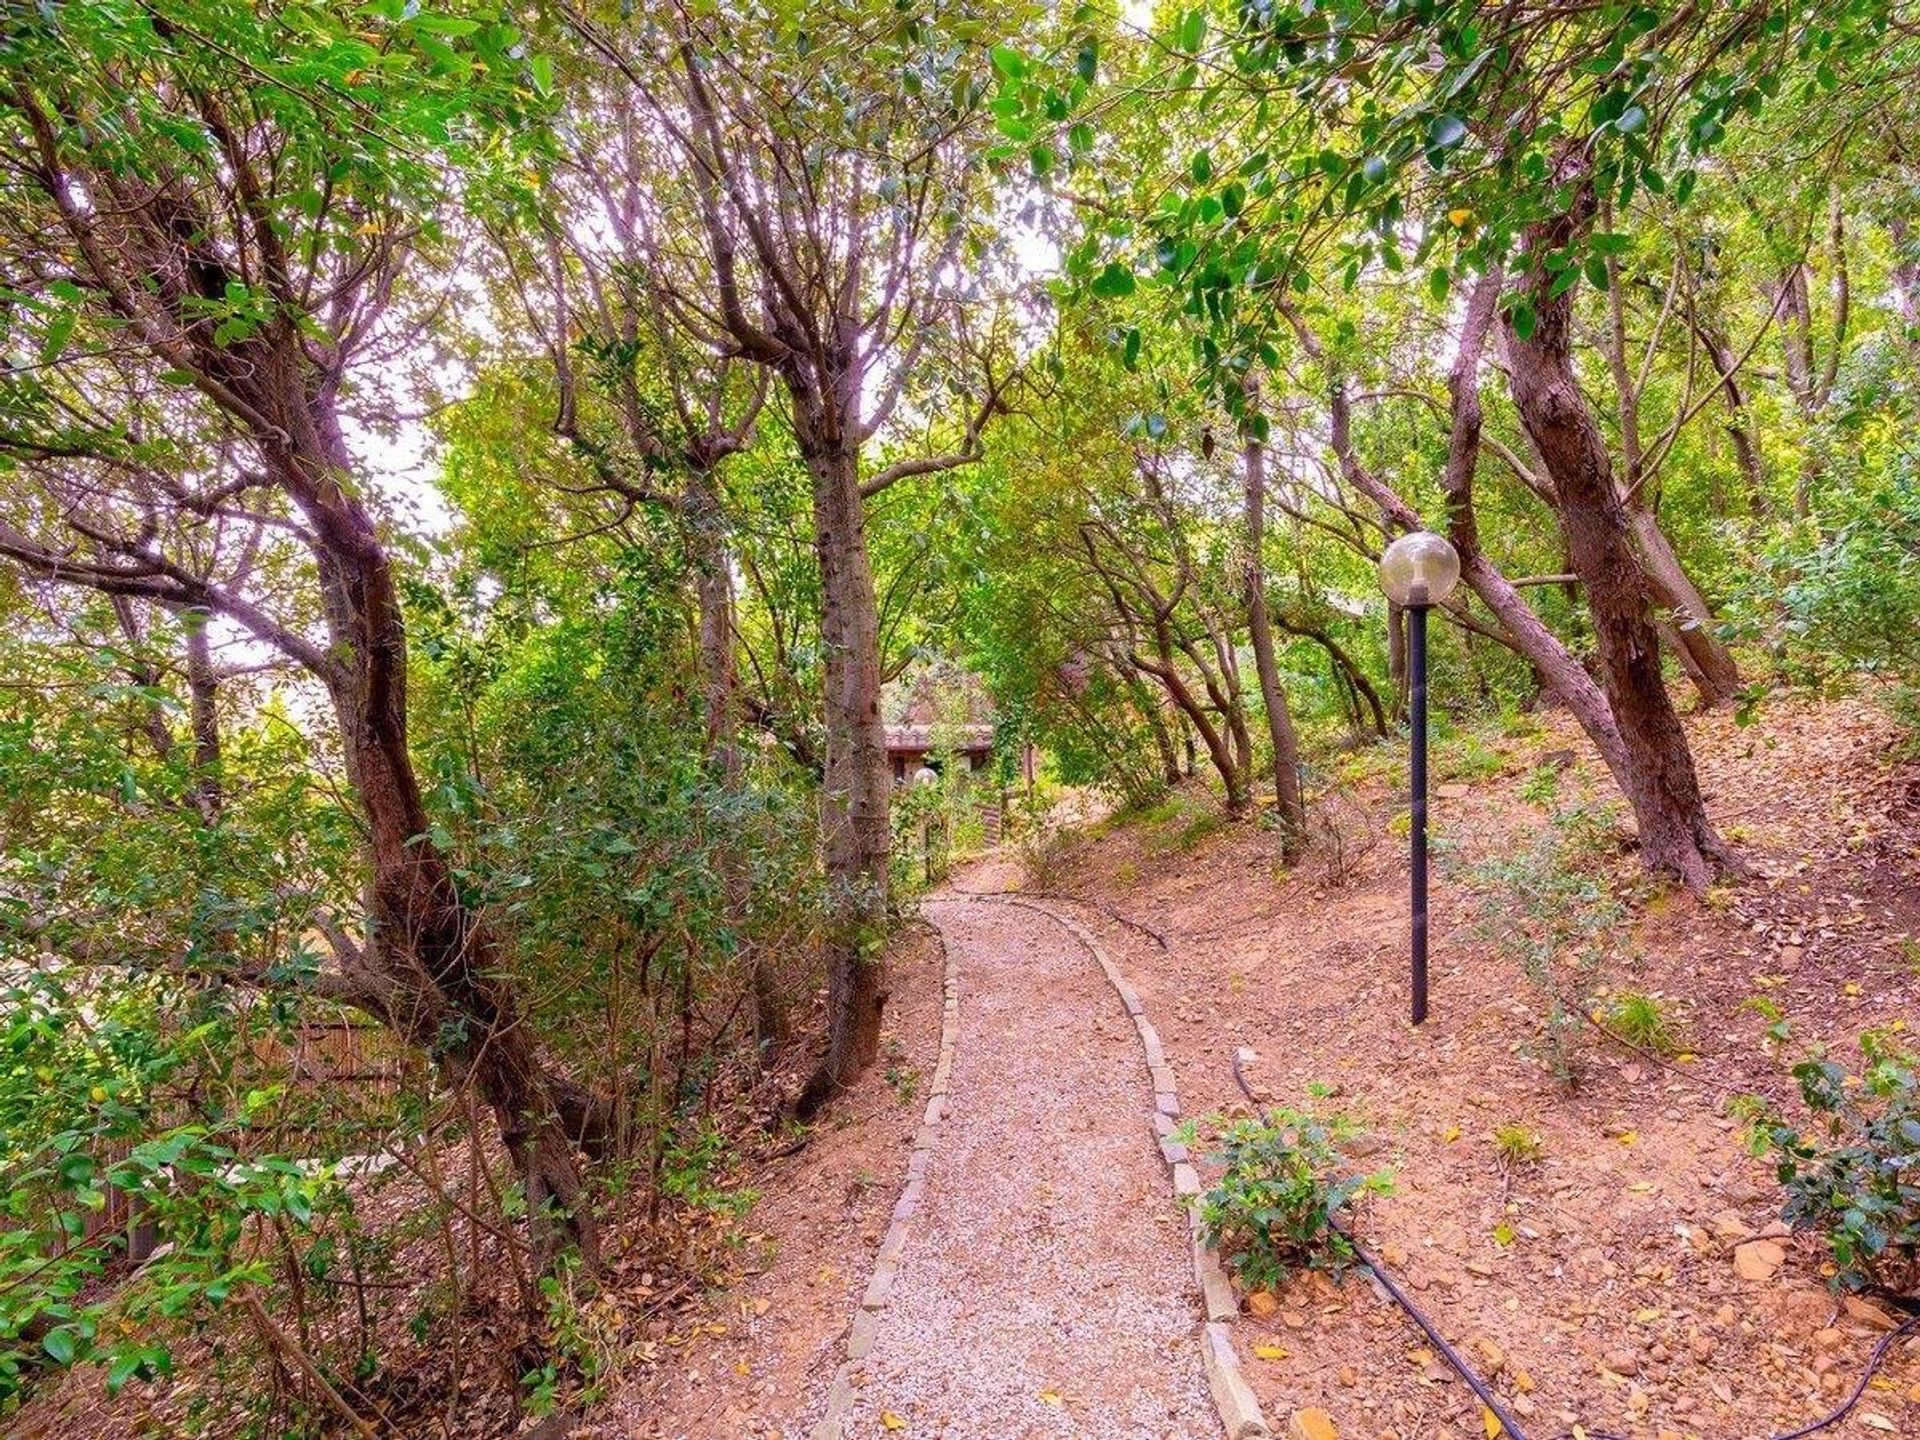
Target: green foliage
point(1643, 1021)
point(1854, 1175)
point(1278, 1199)
point(1517, 1144)
point(1550, 911)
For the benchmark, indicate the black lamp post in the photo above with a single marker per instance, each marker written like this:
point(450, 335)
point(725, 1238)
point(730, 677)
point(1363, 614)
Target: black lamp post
point(1418, 571)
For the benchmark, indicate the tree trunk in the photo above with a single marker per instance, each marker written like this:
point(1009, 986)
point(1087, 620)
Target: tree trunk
point(1658, 777)
point(1149, 709)
point(434, 946)
point(1397, 658)
point(1280, 728)
point(1740, 428)
point(1709, 664)
point(720, 696)
point(856, 842)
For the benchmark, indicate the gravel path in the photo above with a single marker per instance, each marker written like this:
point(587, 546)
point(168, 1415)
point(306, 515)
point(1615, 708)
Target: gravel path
point(1046, 1288)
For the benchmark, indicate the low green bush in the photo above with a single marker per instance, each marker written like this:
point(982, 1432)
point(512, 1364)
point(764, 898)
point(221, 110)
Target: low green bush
point(1273, 1209)
point(1853, 1175)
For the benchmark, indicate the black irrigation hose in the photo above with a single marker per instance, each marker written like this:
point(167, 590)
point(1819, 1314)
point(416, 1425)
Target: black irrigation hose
point(1507, 1423)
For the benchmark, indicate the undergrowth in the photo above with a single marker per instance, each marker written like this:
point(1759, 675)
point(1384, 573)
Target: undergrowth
point(1273, 1210)
point(1548, 909)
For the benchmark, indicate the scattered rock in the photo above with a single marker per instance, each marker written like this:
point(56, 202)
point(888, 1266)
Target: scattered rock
point(1311, 1425)
point(1758, 1259)
point(1865, 1312)
point(1729, 1227)
point(1621, 1362)
point(1494, 1357)
point(1262, 1305)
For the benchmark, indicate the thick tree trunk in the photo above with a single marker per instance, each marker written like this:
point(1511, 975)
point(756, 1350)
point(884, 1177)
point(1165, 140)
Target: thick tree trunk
point(1555, 664)
point(1658, 777)
point(1280, 727)
point(436, 949)
point(856, 841)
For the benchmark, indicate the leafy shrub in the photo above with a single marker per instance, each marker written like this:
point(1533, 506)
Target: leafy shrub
point(1273, 1208)
point(1549, 908)
point(1854, 1176)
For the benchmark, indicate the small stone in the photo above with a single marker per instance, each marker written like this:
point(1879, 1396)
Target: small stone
point(1494, 1356)
point(1261, 1304)
point(1829, 1339)
point(1311, 1425)
point(1729, 1227)
point(1522, 1381)
point(1621, 1362)
point(1758, 1260)
point(1863, 1311)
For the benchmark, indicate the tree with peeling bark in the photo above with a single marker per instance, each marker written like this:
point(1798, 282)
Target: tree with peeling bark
point(208, 237)
point(828, 223)
point(1505, 127)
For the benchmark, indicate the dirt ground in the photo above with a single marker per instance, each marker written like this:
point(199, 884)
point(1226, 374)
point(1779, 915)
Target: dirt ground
point(752, 1353)
point(1597, 1285)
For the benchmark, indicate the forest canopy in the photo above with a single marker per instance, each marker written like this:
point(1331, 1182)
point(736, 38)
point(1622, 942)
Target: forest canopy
point(485, 488)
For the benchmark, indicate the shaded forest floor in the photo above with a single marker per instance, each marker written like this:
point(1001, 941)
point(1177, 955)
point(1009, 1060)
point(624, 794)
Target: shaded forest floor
point(1632, 1279)
point(1597, 1285)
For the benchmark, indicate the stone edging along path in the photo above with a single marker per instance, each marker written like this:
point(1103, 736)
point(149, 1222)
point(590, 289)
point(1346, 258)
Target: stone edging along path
point(1233, 1398)
point(886, 1265)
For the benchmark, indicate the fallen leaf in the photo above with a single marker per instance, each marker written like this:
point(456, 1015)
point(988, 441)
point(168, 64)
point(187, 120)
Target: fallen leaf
point(1051, 1397)
point(1503, 1234)
point(1450, 1134)
point(1270, 1351)
point(1877, 1422)
point(1490, 1423)
point(1628, 1137)
point(892, 1421)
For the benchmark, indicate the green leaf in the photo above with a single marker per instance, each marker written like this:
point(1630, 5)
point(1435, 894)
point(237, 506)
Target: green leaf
point(1008, 63)
point(61, 1344)
point(1113, 282)
point(1446, 131)
point(540, 67)
point(1192, 33)
point(1202, 167)
point(454, 27)
point(1439, 282)
point(58, 332)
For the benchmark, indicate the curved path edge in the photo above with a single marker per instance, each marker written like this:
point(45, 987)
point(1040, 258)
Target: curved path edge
point(1233, 1397)
point(886, 1265)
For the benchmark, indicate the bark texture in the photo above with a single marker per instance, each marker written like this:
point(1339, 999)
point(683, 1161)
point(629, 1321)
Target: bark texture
point(1657, 772)
point(1280, 728)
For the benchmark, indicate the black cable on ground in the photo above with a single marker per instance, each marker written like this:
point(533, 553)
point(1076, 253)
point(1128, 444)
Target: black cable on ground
point(1507, 1423)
